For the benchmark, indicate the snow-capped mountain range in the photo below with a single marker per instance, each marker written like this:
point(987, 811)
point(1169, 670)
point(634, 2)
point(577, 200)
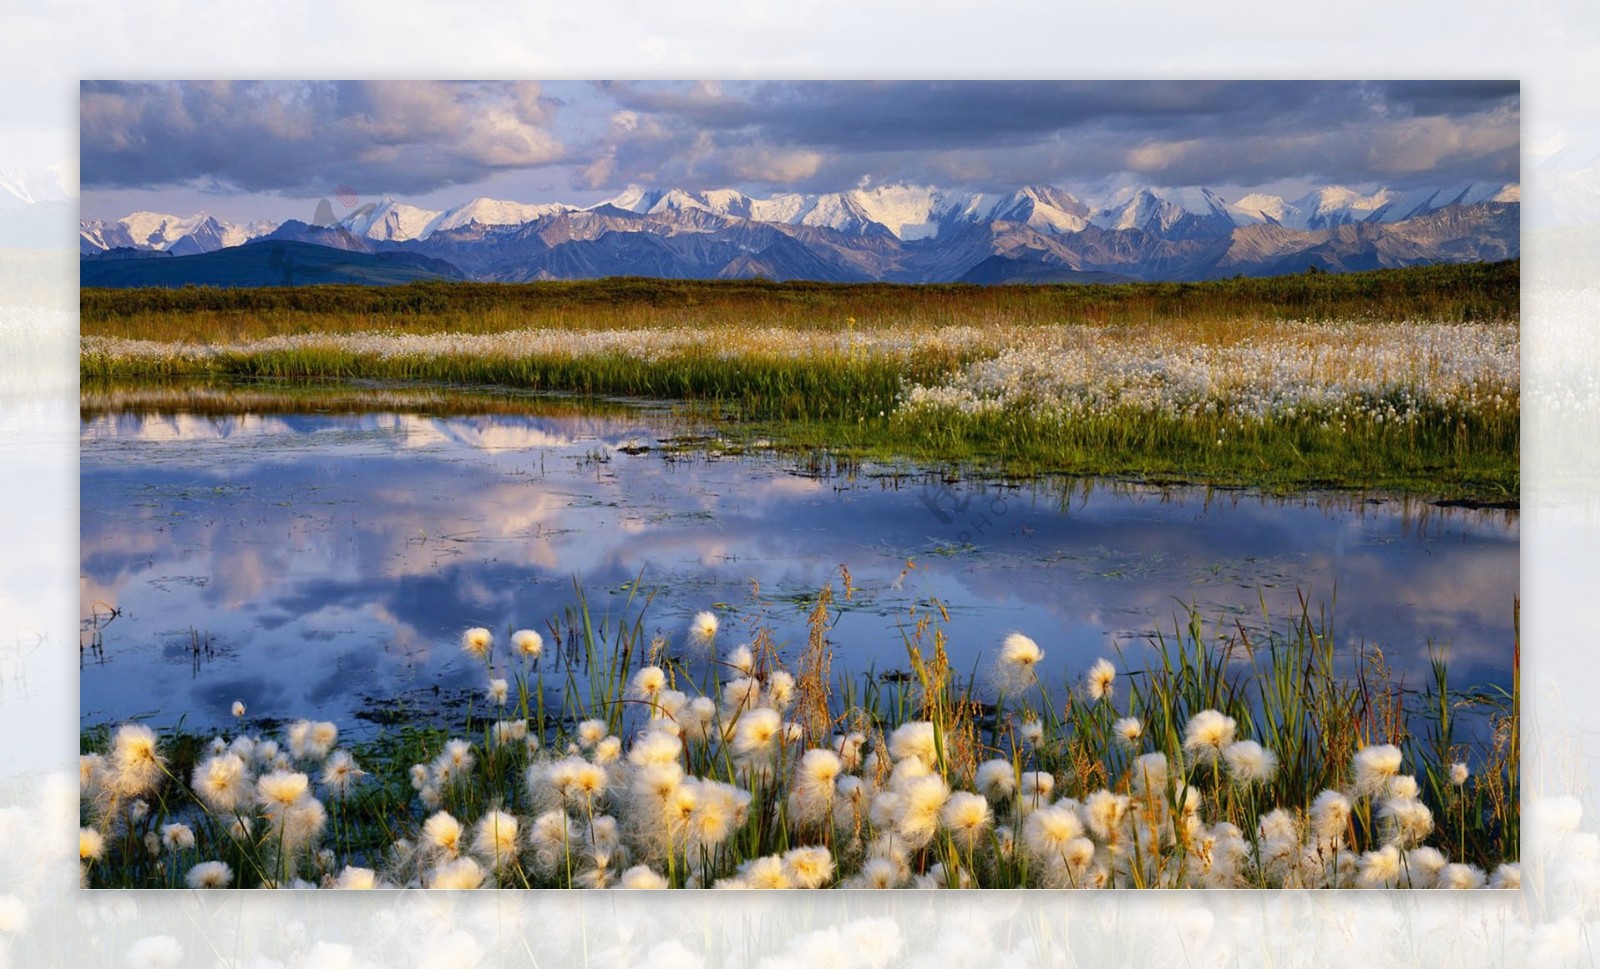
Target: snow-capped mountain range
point(891, 232)
point(57, 183)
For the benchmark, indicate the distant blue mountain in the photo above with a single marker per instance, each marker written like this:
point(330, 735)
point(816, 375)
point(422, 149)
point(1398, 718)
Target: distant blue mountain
point(267, 262)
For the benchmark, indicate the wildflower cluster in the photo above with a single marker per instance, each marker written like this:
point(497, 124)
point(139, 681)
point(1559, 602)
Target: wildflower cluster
point(251, 805)
point(722, 783)
point(1333, 374)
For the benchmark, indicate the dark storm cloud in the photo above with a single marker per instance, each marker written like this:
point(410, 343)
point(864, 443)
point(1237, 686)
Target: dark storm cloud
point(307, 138)
point(1004, 133)
point(412, 138)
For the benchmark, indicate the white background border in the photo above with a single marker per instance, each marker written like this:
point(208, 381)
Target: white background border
point(1552, 47)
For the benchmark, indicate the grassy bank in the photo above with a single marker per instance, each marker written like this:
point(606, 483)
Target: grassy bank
point(1444, 293)
point(1398, 380)
point(601, 759)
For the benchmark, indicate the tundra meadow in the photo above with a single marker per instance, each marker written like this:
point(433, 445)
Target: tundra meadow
point(595, 753)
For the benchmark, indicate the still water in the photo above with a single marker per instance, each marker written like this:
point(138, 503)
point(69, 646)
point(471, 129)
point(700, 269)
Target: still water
point(323, 565)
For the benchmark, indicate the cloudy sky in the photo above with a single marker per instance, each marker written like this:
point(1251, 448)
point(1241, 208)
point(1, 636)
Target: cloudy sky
point(244, 150)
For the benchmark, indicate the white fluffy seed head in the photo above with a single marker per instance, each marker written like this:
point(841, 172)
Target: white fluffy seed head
point(1101, 679)
point(1373, 766)
point(1207, 733)
point(914, 739)
point(210, 875)
point(1047, 831)
point(703, 628)
point(967, 816)
point(757, 731)
point(996, 779)
point(649, 682)
point(819, 768)
point(476, 642)
point(1249, 763)
point(1019, 650)
point(442, 833)
point(1330, 814)
point(1129, 733)
point(528, 643)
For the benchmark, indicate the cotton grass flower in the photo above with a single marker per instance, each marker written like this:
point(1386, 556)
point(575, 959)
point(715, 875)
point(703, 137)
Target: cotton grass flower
point(921, 801)
point(462, 873)
point(1402, 786)
point(498, 692)
point(1507, 875)
point(210, 875)
point(1423, 865)
point(1330, 814)
point(1048, 830)
point(703, 628)
point(324, 735)
point(655, 748)
point(442, 834)
point(476, 642)
point(780, 690)
point(808, 867)
point(756, 731)
point(301, 824)
point(1034, 788)
point(1373, 766)
point(495, 839)
point(1206, 734)
point(741, 659)
point(1277, 825)
point(648, 682)
point(1458, 774)
point(1016, 666)
point(848, 748)
point(877, 873)
point(1128, 732)
point(528, 643)
point(281, 789)
point(340, 774)
point(914, 739)
point(592, 732)
point(1031, 731)
point(996, 779)
point(238, 708)
point(356, 877)
point(1100, 681)
point(1405, 821)
point(507, 733)
point(1104, 811)
point(221, 783)
point(1249, 763)
point(767, 872)
point(136, 760)
point(91, 845)
point(642, 877)
point(177, 837)
point(741, 693)
point(1148, 774)
point(1380, 868)
point(967, 816)
point(1459, 875)
point(819, 768)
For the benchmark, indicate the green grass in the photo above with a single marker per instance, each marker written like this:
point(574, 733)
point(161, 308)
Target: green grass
point(1455, 293)
point(809, 365)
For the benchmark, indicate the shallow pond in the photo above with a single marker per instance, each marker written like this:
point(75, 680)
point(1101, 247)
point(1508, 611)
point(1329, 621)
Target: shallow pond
point(323, 565)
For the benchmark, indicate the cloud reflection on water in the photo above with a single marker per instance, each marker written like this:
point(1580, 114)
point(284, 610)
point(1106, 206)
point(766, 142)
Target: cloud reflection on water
point(339, 556)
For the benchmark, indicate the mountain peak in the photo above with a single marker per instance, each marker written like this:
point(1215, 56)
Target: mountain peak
point(894, 231)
